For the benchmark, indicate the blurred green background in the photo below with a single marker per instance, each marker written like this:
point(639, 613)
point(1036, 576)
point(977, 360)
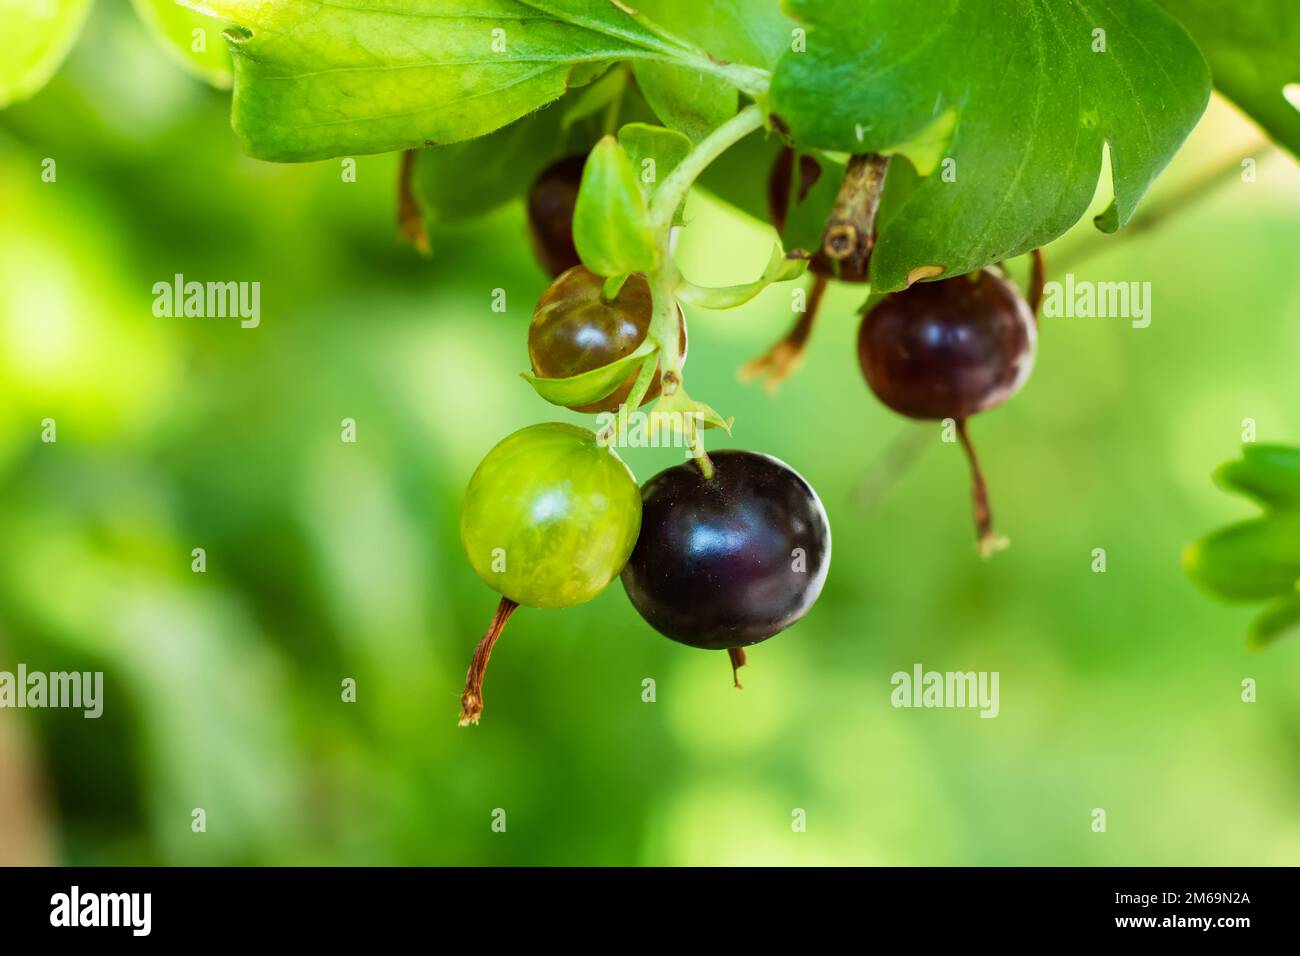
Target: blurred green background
point(329, 560)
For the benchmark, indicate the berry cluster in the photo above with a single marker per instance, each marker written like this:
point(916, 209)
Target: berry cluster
point(731, 548)
point(553, 514)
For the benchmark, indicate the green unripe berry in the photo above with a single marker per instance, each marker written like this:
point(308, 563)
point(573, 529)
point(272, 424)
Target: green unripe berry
point(550, 517)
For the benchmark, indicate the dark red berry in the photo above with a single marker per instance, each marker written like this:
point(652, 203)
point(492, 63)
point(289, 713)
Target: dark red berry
point(948, 349)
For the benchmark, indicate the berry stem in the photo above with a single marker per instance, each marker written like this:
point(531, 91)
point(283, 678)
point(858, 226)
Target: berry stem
point(989, 540)
point(471, 699)
point(410, 221)
point(1037, 282)
point(738, 660)
point(780, 361)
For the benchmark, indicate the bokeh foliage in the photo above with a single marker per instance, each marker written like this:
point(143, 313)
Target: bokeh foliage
point(1119, 690)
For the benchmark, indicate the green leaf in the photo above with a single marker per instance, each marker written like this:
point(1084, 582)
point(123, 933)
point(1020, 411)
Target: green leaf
point(927, 148)
point(611, 225)
point(37, 36)
point(756, 32)
point(190, 38)
point(779, 269)
point(689, 101)
point(596, 97)
point(1249, 561)
point(684, 414)
point(315, 80)
point(1034, 105)
point(1270, 474)
point(590, 386)
point(1276, 620)
point(463, 180)
point(654, 152)
point(1254, 52)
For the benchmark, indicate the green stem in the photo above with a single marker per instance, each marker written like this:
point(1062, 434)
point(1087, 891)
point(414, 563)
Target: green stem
point(664, 330)
point(642, 383)
point(665, 280)
point(667, 200)
point(672, 191)
point(611, 433)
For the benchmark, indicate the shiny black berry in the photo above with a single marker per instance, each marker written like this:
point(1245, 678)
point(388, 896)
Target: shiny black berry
point(550, 214)
point(728, 561)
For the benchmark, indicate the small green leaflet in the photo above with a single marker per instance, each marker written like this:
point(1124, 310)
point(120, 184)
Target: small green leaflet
point(1254, 52)
point(1277, 619)
point(37, 36)
point(611, 224)
point(689, 101)
point(1258, 559)
point(779, 269)
point(1249, 561)
point(589, 387)
point(654, 151)
point(1270, 474)
point(1038, 86)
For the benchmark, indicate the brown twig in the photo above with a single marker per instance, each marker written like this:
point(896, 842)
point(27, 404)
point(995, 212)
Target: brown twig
point(847, 236)
point(471, 700)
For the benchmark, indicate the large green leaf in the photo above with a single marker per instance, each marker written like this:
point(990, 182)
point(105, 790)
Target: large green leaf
point(191, 39)
point(1254, 52)
point(464, 180)
point(36, 38)
point(1034, 105)
point(741, 31)
point(315, 80)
